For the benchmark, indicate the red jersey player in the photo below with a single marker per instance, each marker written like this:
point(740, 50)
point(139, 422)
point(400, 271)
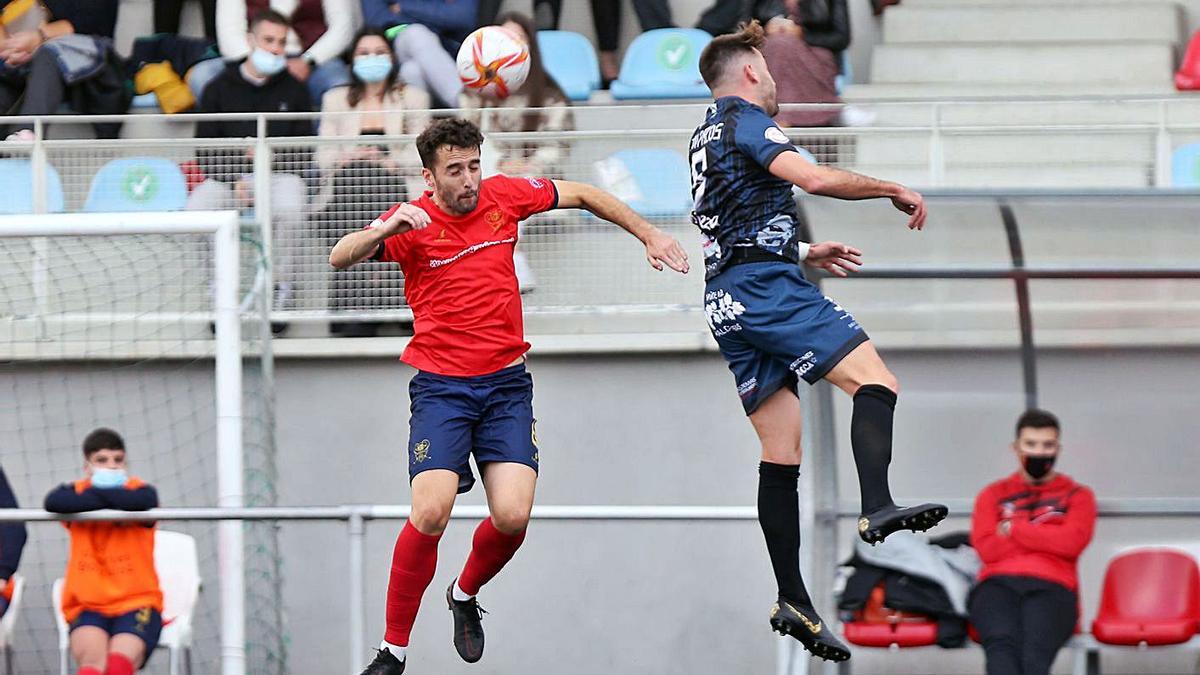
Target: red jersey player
point(471, 394)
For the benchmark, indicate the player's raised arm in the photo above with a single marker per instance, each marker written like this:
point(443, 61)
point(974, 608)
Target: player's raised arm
point(660, 247)
point(358, 246)
point(830, 182)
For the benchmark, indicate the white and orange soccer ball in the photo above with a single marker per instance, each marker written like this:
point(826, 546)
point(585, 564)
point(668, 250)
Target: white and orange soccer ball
point(493, 62)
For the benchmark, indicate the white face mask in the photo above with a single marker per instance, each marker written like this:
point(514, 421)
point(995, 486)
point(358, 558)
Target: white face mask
point(267, 63)
point(108, 478)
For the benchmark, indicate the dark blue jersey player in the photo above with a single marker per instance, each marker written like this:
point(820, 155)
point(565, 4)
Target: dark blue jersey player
point(774, 327)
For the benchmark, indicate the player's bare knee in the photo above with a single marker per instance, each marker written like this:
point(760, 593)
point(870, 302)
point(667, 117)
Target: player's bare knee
point(783, 453)
point(511, 519)
point(431, 518)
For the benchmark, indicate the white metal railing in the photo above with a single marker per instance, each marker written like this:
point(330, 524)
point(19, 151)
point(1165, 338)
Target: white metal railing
point(356, 516)
point(592, 272)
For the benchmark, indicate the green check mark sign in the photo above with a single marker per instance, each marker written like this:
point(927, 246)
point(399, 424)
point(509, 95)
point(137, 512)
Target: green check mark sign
point(673, 52)
point(140, 185)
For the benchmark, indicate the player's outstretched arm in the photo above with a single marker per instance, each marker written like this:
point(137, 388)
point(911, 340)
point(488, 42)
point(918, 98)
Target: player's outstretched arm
point(660, 247)
point(830, 182)
point(358, 246)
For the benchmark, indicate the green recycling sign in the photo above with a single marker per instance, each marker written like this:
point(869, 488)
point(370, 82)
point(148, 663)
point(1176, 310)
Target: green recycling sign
point(673, 52)
point(140, 184)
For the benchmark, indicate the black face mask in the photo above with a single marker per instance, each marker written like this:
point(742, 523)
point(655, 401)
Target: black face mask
point(1038, 466)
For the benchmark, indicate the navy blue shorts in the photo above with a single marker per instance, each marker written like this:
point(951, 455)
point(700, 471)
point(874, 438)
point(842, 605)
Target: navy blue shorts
point(774, 327)
point(453, 417)
point(145, 623)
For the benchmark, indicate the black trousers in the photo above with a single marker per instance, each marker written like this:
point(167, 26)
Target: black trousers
point(606, 19)
point(1023, 622)
point(167, 12)
point(41, 92)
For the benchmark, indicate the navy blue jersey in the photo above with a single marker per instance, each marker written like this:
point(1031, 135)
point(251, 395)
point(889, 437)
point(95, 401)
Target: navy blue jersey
point(737, 202)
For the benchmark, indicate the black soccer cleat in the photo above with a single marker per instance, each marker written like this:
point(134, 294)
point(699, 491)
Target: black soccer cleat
point(801, 622)
point(384, 664)
point(875, 527)
point(468, 626)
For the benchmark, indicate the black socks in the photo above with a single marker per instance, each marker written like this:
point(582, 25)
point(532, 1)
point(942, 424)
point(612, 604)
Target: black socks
point(871, 439)
point(779, 516)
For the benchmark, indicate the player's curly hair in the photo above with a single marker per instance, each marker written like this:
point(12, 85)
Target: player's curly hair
point(725, 48)
point(453, 131)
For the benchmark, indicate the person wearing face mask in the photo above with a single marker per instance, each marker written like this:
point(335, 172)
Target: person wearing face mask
point(1029, 529)
point(361, 179)
point(259, 83)
point(114, 610)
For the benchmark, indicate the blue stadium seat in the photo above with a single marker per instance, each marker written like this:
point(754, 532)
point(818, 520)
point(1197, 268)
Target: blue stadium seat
point(16, 175)
point(659, 182)
point(1185, 166)
point(846, 76)
point(137, 184)
point(807, 155)
point(663, 63)
point(571, 61)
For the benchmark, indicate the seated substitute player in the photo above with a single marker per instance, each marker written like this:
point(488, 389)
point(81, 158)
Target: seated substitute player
point(774, 327)
point(471, 394)
point(111, 596)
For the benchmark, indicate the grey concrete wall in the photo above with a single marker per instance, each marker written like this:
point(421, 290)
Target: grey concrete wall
point(596, 597)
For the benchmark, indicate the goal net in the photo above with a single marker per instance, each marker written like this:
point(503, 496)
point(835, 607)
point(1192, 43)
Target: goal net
point(108, 320)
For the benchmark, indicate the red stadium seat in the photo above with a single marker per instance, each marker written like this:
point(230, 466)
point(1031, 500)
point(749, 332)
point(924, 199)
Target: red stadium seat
point(1150, 596)
point(1187, 78)
point(878, 626)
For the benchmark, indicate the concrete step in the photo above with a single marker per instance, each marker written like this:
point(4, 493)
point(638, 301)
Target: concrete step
point(1137, 64)
point(1001, 113)
point(1023, 149)
point(924, 92)
point(1046, 176)
point(1022, 23)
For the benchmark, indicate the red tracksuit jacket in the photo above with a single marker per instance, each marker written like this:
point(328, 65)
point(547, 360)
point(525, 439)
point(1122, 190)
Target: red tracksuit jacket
point(1051, 525)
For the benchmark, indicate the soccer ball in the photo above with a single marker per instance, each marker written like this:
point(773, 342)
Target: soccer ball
point(493, 62)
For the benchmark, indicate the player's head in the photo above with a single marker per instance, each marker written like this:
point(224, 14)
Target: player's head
point(449, 150)
point(733, 65)
point(103, 449)
point(1037, 443)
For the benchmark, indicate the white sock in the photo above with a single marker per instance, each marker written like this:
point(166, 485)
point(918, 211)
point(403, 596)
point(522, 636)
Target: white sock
point(458, 594)
point(396, 650)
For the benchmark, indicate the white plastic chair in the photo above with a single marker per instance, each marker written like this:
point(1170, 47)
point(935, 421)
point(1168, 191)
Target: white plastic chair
point(8, 624)
point(178, 568)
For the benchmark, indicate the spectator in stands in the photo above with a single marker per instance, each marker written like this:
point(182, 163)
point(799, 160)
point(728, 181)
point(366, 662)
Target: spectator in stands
point(1030, 529)
point(35, 81)
point(111, 597)
point(319, 31)
point(259, 83)
point(167, 14)
point(359, 182)
point(538, 105)
point(12, 543)
point(804, 73)
point(427, 35)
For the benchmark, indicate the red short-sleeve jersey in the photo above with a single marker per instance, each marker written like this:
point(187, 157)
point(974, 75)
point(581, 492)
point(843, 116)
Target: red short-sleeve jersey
point(460, 281)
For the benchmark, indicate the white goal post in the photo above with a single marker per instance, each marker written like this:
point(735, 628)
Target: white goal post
point(223, 226)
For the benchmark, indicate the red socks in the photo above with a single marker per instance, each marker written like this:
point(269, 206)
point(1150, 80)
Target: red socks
point(118, 665)
point(490, 552)
point(414, 561)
